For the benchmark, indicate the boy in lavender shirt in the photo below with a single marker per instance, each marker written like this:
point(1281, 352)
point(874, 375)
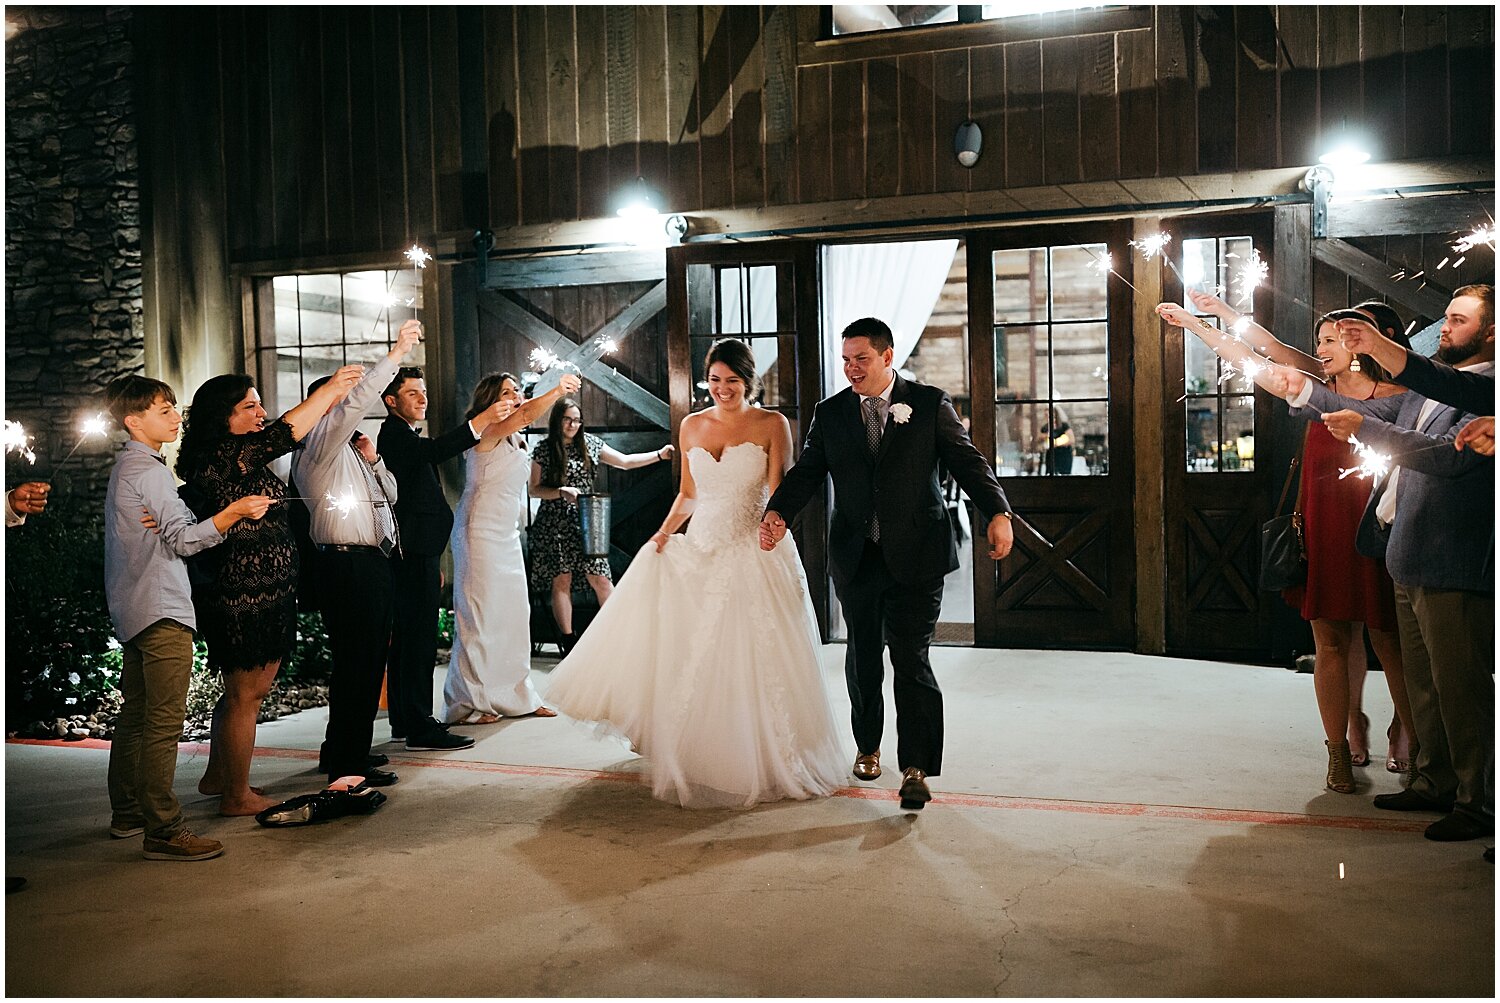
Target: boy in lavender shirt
point(151, 605)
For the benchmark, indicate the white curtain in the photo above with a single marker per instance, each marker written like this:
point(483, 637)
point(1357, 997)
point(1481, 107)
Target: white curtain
point(897, 282)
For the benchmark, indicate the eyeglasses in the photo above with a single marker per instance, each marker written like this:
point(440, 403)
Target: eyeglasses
point(572, 421)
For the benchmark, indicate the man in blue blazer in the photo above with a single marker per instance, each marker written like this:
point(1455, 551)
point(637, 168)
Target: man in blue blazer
point(889, 540)
point(1433, 520)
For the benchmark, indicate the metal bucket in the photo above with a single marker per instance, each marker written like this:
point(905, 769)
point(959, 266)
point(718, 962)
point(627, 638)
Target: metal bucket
point(593, 520)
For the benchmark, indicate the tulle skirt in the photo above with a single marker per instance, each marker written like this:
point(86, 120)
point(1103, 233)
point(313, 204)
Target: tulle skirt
point(707, 662)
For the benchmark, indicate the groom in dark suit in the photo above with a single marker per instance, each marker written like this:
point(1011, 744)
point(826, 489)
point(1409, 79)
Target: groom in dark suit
point(425, 521)
point(889, 541)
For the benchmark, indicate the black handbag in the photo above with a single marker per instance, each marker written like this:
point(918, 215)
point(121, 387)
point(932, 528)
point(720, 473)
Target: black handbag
point(1283, 555)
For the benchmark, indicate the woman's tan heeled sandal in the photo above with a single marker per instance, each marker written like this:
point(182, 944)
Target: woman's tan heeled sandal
point(1340, 773)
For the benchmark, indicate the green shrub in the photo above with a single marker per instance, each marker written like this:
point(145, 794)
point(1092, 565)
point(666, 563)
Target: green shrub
point(61, 654)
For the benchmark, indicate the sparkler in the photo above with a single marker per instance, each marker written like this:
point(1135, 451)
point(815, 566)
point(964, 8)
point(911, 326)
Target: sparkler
point(93, 427)
point(343, 503)
point(1254, 271)
point(1104, 264)
point(1239, 327)
point(1152, 245)
point(544, 360)
point(418, 257)
point(18, 441)
point(607, 346)
point(1371, 464)
point(1479, 235)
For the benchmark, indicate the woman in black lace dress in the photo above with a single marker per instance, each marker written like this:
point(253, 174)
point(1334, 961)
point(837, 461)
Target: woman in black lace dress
point(562, 468)
point(246, 600)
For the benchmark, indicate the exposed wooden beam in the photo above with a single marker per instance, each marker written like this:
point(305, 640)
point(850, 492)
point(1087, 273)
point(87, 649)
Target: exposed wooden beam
point(1371, 271)
point(577, 269)
point(634, 396)
point(1391, 217)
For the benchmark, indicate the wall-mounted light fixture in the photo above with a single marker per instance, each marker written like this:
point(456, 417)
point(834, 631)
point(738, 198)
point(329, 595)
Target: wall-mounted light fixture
point(676, 226)
point(967, 141)
point(638, 201)
point(1344, 154)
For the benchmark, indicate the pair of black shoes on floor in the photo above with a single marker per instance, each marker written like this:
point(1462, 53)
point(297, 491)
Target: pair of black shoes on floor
point(1453, 827)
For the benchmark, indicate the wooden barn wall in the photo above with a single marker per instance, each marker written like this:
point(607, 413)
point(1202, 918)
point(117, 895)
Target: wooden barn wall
point(347, 130)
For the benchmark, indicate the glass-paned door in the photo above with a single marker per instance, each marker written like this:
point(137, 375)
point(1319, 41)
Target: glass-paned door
point(1057, 428)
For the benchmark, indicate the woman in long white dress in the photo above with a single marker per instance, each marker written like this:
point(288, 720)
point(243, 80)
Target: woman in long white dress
point(489, 672)
point(706, 658)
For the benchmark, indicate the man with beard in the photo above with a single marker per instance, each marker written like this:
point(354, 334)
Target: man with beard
point(1433, 519)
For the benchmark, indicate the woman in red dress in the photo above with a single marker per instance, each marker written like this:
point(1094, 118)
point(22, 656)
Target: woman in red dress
point(1344, 590)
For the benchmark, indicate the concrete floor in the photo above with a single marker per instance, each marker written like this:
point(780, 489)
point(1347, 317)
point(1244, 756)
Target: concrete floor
point(1108, 824)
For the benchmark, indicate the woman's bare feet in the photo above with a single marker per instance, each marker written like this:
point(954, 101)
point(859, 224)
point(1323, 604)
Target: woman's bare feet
point(252, 804)
point(214, 787)
point(484, 719)
point(542, 712)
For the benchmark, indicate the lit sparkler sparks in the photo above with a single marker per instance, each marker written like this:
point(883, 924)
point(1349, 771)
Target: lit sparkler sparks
point(607, 346)
point(93, 427)
point(1239, 327)
point(1371, 464)
point(342, 503)
point(417, 255)
point(1479, 235)
point(544, 360)
point(18, 441)
point(1254, 271)
point(1152, 245)
point(1104, 264)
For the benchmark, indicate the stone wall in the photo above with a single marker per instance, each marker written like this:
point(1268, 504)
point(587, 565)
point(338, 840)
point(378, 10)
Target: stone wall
point(72, 234)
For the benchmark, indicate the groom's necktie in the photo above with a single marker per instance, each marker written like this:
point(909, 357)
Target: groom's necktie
point(871, 407)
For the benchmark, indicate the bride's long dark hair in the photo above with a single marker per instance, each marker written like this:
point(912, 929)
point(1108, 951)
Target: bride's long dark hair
point(556, 444)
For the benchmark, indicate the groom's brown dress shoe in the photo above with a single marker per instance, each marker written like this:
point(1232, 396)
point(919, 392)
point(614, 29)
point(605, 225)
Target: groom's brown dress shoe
point(914, 792)
point(867, 765)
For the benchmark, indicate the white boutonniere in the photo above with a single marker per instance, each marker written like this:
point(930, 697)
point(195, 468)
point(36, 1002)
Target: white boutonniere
point(901, 413)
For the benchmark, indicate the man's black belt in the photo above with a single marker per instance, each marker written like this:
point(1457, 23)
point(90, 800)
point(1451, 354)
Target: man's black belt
point(350, 548)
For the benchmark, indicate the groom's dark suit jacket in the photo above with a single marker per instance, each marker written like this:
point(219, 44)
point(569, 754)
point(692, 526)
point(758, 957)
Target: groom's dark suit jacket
point(422, 511)
point(900, 482)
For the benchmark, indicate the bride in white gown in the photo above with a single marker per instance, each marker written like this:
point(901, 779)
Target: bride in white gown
point(489, 672)
point(706, 655)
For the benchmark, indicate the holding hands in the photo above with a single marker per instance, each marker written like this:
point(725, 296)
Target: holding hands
point(772, 529)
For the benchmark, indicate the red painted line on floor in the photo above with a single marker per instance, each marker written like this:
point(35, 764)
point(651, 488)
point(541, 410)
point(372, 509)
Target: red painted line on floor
point(1238, 816)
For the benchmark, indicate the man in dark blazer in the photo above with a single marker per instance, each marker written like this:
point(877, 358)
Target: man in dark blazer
point(1432, 519)
point(425, 521)
point(889, 542)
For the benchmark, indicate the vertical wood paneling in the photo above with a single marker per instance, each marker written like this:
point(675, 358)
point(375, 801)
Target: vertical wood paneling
point(1136, 55)
point(531, 76)
point(1061, 162)
point(1425, 41)
point(593, 115)
point(1098, 108)
point(446, 103)
point(1219, 55)
point(814, 154)
point(986, 84)
point(717, 158)
point(917, 145)
point(473, 119)
point(562, 115)
point(281, 36)
point(622, 84)
point(651, 76)
point(241, 178)
point(747, 62)
point(417, 94)
point(1297, 81)
point(950, 92)
point(500, 106)
point(780, 105)
point(336, 140)
point(390, 142)
point(684, 32)
point(1255, 88)
point(1380, 55)
point(307, 118)
point(1338, 72)
point(882, 127)
point(1176, 97)
point(1471, 80)
point(846, 117)
point(359, 95)
point(1023, 114)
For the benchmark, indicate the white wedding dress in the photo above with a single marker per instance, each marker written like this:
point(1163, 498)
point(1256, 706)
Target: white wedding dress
point(706, 656)
point(490, 669)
